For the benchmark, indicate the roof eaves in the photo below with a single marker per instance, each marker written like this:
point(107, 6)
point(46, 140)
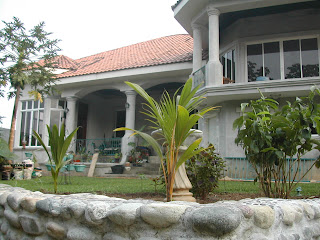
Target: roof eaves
point(126, 68)
point(176, 4)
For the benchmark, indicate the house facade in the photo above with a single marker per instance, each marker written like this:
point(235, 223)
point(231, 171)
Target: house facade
point(236, 48)
point(251, 44)
point(93, 96)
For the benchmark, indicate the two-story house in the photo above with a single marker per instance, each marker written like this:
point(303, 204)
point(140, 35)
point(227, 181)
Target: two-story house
point(92, 95)
point(237, 46)
point(272, 45)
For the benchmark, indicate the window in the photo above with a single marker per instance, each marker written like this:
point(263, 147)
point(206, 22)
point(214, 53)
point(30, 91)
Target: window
point(263, 60)
point(300, 59)
point(229, 65)
point(31, 119)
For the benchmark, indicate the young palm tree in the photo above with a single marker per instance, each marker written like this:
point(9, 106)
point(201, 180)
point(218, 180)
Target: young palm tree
point(174, 118)
point(59, 145)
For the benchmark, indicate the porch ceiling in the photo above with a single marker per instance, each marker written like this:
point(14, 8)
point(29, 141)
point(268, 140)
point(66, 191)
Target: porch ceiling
point(189, 11)
point(226, 19)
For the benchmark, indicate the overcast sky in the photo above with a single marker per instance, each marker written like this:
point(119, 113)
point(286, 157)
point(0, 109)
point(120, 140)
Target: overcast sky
point(90, 27)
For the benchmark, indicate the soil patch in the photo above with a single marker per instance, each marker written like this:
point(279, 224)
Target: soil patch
point(212, 198)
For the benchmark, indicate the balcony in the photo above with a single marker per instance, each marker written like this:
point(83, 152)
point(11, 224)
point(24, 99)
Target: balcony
point(199, 77)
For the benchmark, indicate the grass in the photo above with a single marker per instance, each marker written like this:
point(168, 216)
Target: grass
point(123, 185)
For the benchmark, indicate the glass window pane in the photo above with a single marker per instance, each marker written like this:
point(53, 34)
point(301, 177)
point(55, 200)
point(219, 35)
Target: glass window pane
point(272, 60)
point(310, 58)
point(254, 61)
point(30, 104)
point(41, 104)
point(22, 129)
point(292, 59)
point(27, 129)
point(34, 127)
point(24, 105)
point(40, 124)
point(223, 62)
point(233, 66)
point(61, 104)
point(229, 63)
point(35, 104)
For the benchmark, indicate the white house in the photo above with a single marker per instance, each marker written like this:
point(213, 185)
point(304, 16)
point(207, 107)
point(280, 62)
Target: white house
point(247, 41)
point(94, 97)
point(237, 46)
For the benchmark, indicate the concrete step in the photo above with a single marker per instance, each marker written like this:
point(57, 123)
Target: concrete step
point(154, 159)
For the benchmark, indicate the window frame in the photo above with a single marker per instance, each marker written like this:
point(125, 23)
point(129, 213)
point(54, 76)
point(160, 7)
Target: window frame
point(281, 48)
point(32, 112)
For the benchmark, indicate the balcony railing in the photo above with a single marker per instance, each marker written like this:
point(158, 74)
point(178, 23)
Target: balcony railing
point(105, 146)
point(199, 77)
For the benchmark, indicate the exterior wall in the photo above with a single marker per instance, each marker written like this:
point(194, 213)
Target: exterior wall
point(34, 215)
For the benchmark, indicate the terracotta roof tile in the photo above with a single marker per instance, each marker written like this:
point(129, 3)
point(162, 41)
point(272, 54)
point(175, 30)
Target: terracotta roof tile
point(63, 62)
point(164, 50)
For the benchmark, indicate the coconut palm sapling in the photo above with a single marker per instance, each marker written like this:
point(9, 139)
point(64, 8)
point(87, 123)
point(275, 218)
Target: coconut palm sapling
point(174, 118)
point(59, 145)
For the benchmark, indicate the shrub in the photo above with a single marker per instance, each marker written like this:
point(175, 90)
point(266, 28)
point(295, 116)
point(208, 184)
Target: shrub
point(204, 171)
point(275, 140)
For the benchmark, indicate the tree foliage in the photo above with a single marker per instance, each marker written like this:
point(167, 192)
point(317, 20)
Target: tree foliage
point(26, 58)
point(275, 139)
point(175, 120)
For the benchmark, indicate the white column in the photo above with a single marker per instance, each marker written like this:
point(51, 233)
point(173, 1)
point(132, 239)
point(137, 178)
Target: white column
point(130, 122)
point(197, 47)
point(71, 120)
point(214, 65)
point(130, 109)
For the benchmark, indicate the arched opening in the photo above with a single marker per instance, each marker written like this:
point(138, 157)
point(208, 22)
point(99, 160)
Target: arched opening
point(99, 113)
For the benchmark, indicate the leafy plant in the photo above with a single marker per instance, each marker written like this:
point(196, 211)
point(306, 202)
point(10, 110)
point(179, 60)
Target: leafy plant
point(157, 181)
point(5, 153)
point(173, 117)
point(59, 145)
point(204, 171)
point(275, 140)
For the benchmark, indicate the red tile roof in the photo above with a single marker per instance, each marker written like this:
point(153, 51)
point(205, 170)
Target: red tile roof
point(164, 50)
point(63, 62)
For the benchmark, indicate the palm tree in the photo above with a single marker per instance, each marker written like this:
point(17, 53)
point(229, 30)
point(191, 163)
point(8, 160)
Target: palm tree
point(175, 119)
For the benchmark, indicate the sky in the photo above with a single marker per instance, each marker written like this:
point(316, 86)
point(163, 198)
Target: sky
point(90, 27)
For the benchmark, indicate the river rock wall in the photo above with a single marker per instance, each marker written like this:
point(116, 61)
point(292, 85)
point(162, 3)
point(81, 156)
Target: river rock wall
point(26, 215)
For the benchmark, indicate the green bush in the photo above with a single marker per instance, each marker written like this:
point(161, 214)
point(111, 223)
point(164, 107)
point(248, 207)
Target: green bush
point(204, 171)
point(275, 139)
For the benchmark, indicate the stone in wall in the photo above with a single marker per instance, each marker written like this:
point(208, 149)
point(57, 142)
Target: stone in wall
point(217, 220)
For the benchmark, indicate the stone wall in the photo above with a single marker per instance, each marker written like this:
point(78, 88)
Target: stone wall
point(29, 215)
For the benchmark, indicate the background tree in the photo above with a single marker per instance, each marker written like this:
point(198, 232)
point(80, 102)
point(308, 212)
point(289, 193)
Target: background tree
point(26, 58)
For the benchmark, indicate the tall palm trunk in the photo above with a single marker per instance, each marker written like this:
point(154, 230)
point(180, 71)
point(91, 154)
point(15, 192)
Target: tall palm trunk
point(14, 118)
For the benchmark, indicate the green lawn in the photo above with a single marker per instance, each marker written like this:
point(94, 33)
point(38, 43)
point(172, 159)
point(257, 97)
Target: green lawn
point(122, 185)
